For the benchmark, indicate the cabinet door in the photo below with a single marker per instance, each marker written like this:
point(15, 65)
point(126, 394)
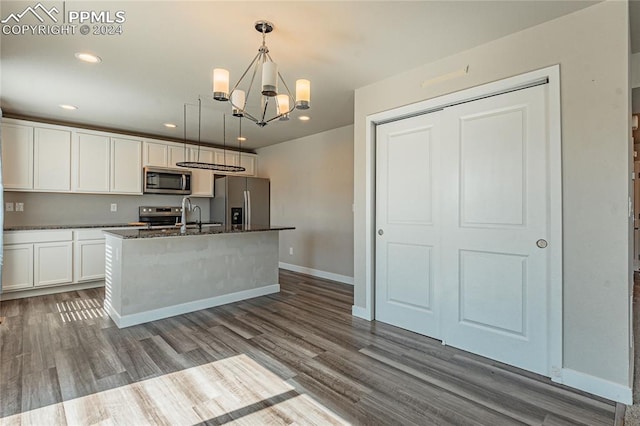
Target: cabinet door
point(17, 156)
point(230, 158)
point(91, 163)
point(17, 268)
point(89, 260)
point(52, 160)
point(155, 154)
point(248, 161)
point(126, 166)
point(201, 180)
point(52, 263)
point(176, 154)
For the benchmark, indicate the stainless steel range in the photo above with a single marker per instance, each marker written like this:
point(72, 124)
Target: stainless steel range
point(160, 217)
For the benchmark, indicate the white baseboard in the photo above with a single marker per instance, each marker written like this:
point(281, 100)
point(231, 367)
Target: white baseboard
point(597, 386)
point(42, 291)
point(359, 312)
point(317, 273)
point(123, 321)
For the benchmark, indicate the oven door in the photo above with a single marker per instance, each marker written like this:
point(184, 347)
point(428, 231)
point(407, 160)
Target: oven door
point(166, 181)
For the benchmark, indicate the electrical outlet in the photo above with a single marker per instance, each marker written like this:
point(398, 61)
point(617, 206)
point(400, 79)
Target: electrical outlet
point(19, 207)
point(8, 207)
point(114, 207)
point(290, 251)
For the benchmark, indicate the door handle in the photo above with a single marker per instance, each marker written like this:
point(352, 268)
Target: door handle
point(380, 232)
point(542, 243)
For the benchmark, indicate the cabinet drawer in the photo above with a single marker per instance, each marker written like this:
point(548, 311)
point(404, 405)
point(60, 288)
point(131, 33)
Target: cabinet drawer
point(89, 234)
point(25, 237)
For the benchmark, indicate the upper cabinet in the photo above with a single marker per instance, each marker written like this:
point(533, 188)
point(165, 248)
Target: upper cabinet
point(155, 154)
point(106, 164)
point(91, 162)
point(36, 158)
point(52, 159)
point(17, 153)
point(201, 179)
point(126, 166)
point(232, 158)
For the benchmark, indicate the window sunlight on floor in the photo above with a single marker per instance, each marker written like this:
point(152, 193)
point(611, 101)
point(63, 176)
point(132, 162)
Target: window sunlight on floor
point(80, 310)
point(232, 389)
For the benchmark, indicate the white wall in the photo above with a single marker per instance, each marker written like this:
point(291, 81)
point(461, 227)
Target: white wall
point(312, 189)
point(592, 48)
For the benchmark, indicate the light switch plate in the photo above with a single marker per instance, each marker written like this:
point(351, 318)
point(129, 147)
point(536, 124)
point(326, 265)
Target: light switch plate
point(19, 207)
point(114, 207)
point(8, 207)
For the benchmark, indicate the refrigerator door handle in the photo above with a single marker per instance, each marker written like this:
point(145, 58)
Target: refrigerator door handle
point(248, 208)
point(246, 203)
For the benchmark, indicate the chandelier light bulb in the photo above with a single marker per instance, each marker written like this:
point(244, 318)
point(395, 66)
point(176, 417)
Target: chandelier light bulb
point(238, 99)
point(283, 106)
point(269, 79)
point(220, 84)
point(303, 94)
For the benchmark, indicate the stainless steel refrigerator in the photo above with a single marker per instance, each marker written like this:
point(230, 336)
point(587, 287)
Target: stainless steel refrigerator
point(240, 201)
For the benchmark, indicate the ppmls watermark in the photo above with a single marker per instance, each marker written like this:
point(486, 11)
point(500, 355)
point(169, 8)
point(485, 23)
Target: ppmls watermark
point(40, 20)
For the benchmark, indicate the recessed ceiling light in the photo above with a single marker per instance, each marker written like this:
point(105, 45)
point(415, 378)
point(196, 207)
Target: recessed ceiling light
point(88, 57)
point(170, 125)
point(304, 118)
point(68, 107)
point(242, 138)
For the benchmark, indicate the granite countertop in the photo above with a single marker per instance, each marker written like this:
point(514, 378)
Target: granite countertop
point(76, 226)
point(135, 225)
point(193, 231)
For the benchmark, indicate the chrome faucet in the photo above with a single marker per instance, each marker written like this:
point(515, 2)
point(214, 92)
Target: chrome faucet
point(186, 208)
point(199, 217)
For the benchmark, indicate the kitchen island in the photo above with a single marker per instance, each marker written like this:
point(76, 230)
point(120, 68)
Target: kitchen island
point(155, 274)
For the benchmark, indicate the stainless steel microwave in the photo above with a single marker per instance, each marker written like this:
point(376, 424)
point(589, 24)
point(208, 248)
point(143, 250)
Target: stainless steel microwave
point(159, 180)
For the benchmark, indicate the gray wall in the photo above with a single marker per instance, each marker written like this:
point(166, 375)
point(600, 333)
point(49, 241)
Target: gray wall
point(592, 48)
point(71, 209)
point(312, 189)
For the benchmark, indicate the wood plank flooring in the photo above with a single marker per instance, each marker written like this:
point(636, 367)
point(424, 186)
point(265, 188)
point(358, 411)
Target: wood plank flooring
point(293, 357)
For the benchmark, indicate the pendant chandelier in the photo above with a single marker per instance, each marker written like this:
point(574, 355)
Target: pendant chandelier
point(197, 164)
point(275, 103)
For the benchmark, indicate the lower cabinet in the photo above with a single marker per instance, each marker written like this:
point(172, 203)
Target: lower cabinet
point(40, 259)
point(52, 263)
point(17, 270)
point(37, 258)
point(88, 255)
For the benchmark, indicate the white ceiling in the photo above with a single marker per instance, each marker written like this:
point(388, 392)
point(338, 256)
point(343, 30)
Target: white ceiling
point(168, 49)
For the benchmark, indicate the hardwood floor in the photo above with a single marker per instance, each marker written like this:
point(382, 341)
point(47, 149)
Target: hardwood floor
point(293, 357)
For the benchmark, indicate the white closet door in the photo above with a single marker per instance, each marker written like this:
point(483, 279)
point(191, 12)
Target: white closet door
point(495, 228)
point(408, 224)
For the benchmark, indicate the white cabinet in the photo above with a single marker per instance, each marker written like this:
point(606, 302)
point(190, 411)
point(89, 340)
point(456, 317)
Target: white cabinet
point(104, 164)
point(163, 154)
point(232, 158)
point(37, 258)
point(52, 160)
point(89, 260)
point(88, 255)
point(176, 154)
point(91, 162)
point(126, 166)
point(36, 158)
point(17, 154)
point(52, 263)
point(155, 154)
point(201, 179)
point(17, 270)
